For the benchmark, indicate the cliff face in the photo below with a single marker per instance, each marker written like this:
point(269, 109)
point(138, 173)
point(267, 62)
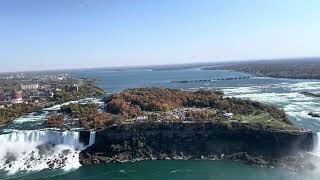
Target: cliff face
point(190, 141)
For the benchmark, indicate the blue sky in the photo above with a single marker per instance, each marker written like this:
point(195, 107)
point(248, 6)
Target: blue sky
point(43, 34)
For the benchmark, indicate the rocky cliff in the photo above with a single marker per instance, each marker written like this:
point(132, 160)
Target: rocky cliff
point(134, 142)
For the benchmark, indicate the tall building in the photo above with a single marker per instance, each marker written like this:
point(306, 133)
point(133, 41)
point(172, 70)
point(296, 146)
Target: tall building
point(16, 97)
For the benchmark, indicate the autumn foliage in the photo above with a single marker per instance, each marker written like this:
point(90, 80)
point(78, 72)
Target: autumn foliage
point(94, 121)
point(89, 115)
point(131, 102)
point(158, 99)
point(55, 121)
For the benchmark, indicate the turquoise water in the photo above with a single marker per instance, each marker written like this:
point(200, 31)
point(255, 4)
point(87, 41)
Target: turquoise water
point(178, 170)
point(283, 93)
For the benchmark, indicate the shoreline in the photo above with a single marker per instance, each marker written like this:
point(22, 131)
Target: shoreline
point(294, 163)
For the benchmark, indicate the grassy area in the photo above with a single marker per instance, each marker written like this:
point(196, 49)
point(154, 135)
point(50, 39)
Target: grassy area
point(264, 119)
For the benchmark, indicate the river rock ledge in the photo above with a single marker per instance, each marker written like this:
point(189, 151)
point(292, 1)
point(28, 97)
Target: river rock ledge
point(207, 141)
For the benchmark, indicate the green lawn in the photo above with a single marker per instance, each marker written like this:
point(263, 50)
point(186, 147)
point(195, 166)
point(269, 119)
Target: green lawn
point(265, 119)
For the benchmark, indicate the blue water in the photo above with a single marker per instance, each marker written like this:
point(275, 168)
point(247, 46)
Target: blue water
point(115, 81)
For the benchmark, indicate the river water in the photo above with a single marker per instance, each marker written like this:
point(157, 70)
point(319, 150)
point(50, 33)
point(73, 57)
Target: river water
point(283, 93)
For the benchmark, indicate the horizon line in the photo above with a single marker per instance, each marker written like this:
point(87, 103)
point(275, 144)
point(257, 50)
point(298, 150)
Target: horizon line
point(161, 65)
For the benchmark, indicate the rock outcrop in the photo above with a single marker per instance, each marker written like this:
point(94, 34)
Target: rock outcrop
point(310, 94)
point(159, 141)
point(314, 114)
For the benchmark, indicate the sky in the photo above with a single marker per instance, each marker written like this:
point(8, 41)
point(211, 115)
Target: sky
point(63, 34)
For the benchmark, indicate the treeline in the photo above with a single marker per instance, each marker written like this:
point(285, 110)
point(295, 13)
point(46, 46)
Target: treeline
point(88, 114)
point(55, 121)
point(303, 69)
point(86, 89)
point(15, 111)
point(96, 121)
point(131, 102)
point(77, 110)
point(200, 115)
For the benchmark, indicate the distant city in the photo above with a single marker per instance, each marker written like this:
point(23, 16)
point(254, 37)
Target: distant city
point(32, 88)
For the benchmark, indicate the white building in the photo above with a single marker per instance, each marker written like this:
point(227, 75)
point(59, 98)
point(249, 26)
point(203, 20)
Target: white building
point(17, 101)
point(29, 86)
point(16, 97)
point(142, 119)
point(228, 115)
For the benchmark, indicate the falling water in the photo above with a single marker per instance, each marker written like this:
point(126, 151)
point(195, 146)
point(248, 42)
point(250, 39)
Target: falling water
point(36, 150)
point(92, 139)
point(316, 150)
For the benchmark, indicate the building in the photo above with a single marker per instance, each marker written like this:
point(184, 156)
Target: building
point(35, 100)
point(228, 115)
point(51, 94)
point(142, 119)
point(7, 96)
point(29, 86)
point(2, 105)
point(73, 87)
point(16, 97)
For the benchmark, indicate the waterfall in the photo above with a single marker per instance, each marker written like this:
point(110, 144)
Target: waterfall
point(92, 139)
point(38, 137)
point(35, 150)
point(316, 150)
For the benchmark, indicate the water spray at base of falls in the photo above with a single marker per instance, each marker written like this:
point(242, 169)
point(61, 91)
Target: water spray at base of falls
point(36, 150)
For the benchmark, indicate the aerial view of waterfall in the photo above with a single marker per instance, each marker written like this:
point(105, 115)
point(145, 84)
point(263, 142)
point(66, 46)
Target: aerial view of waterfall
point(162, 90)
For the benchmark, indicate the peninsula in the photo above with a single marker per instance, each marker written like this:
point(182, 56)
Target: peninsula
point(302, 68)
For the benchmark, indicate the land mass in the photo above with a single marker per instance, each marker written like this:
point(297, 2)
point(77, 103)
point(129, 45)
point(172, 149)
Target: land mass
point(164, 124)
point(207, 141)
point(23, 93)
point(172, 105)
point(291, 68)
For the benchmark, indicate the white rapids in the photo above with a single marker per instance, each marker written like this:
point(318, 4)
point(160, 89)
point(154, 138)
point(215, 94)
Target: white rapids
point(286, 96)
point(35, 150)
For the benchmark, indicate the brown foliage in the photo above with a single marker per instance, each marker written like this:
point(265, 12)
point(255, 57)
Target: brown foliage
point(79, 110)
point(95, 121)
point(55, 121)
point(131, 101)
point(200, 115)
point(158, 99)
point(120, 106)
